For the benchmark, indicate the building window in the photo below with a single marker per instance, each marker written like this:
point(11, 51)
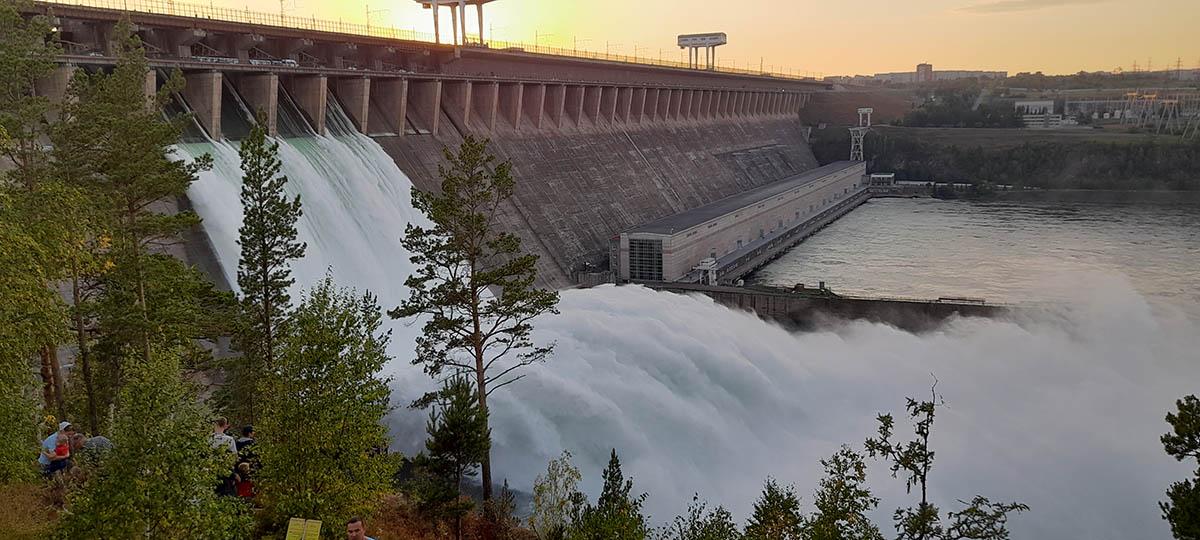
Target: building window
point(645, 259)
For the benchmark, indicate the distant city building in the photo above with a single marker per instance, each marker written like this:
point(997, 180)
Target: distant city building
point(909, 77)
point(924, 73)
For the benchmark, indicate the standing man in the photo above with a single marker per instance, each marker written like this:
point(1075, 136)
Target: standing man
point(47, 456)
point(221, 441)
point(356, 530)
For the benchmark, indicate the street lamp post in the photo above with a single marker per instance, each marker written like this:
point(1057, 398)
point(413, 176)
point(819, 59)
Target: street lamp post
point(576, 41)
point(537, 36)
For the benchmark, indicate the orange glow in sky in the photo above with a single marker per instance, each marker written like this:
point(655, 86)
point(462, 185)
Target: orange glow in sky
point(826, 37)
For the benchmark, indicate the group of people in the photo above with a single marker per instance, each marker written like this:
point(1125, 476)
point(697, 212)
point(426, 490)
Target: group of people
point(240, 482)
point(67, 448)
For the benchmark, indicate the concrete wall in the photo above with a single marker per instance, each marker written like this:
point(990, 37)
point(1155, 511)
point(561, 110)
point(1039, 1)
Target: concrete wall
point(581, 184)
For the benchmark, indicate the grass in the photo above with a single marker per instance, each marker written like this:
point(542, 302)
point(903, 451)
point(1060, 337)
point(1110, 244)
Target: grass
point(25, 513)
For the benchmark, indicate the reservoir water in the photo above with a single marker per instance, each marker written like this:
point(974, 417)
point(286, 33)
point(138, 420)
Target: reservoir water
point(1015, 252)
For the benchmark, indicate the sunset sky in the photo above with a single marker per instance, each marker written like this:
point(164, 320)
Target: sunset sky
point(830, 37)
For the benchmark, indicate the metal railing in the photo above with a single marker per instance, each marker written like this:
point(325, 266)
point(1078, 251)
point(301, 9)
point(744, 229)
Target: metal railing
point(281, 20)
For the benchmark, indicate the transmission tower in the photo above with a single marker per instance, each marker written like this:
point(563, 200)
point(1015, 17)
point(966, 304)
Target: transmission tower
point(858, 133)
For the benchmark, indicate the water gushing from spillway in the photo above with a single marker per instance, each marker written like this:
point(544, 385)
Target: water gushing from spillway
point(1063, 414)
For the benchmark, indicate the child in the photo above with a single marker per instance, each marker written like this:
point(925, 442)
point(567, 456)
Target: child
point(245, 488)
point(62, 454)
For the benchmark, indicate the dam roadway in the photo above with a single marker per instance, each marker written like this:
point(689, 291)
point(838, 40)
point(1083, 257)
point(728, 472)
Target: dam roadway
point(598, 146)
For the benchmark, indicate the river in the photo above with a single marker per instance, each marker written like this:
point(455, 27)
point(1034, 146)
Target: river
point(1013, 252)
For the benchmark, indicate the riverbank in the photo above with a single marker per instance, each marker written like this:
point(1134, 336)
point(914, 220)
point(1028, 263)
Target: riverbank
point(1077, 159)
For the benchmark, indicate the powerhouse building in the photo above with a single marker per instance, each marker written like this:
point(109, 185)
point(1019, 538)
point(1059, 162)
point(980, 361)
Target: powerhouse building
point(730, 232)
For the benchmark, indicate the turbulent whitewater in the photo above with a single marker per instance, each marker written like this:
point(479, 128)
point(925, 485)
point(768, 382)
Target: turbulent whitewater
point(1062, 413)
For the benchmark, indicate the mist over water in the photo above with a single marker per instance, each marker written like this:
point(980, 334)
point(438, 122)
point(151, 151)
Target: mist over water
point(1061, 410)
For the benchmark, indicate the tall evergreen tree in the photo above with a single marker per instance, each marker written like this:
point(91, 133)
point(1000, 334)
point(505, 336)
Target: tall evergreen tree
point(776, 515)
point(27, 55)
point(268, 241)
point(617, 514)
point(458, 441)
point(114, 142)
point(1182, 508)
point(158, 480)
point(842, 501)
point(322, 441)
point(473, 284)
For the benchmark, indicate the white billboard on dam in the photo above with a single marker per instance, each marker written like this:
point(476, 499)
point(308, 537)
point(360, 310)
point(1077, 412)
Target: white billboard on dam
point(711, 39)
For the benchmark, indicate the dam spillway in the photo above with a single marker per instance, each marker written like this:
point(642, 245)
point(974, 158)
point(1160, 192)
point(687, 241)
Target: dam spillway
point(597, 146)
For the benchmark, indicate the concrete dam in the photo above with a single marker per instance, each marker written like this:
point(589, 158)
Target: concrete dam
point(598, 147)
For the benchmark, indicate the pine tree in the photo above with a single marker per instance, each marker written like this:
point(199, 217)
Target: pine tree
point(26, 56)
point(114, 143)
point(458, 441)
point(473, 283)
point(702, 523)
point(322, 441)
point(1182, 508)
point(617, 514)
point(776, 515)
point(268, 241)
point(842, 501)
point(158, 481)
point(114, 146)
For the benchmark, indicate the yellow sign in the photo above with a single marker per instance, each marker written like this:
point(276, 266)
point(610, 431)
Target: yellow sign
point(303, 529)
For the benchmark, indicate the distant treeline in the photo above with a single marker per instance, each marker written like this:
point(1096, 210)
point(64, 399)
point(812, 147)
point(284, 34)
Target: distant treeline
point(1149, 165)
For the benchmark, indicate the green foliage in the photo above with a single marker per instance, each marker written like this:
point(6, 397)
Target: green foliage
point(776, 515)
point(1182, 508)
point(26, 56)
point(1147, 164)
point(953, 105)
point(617, 514)
point(112, 147)
point(499, 516)
point(159, 479)
point(842, 501)
point(702, 523)
point(321, 440)
point(114, 144)
point(473, 284)
point(458, 441)
point(458, 433)
point(554, 495)
point(981, 519)
point(30, 314)
point(268, 241)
